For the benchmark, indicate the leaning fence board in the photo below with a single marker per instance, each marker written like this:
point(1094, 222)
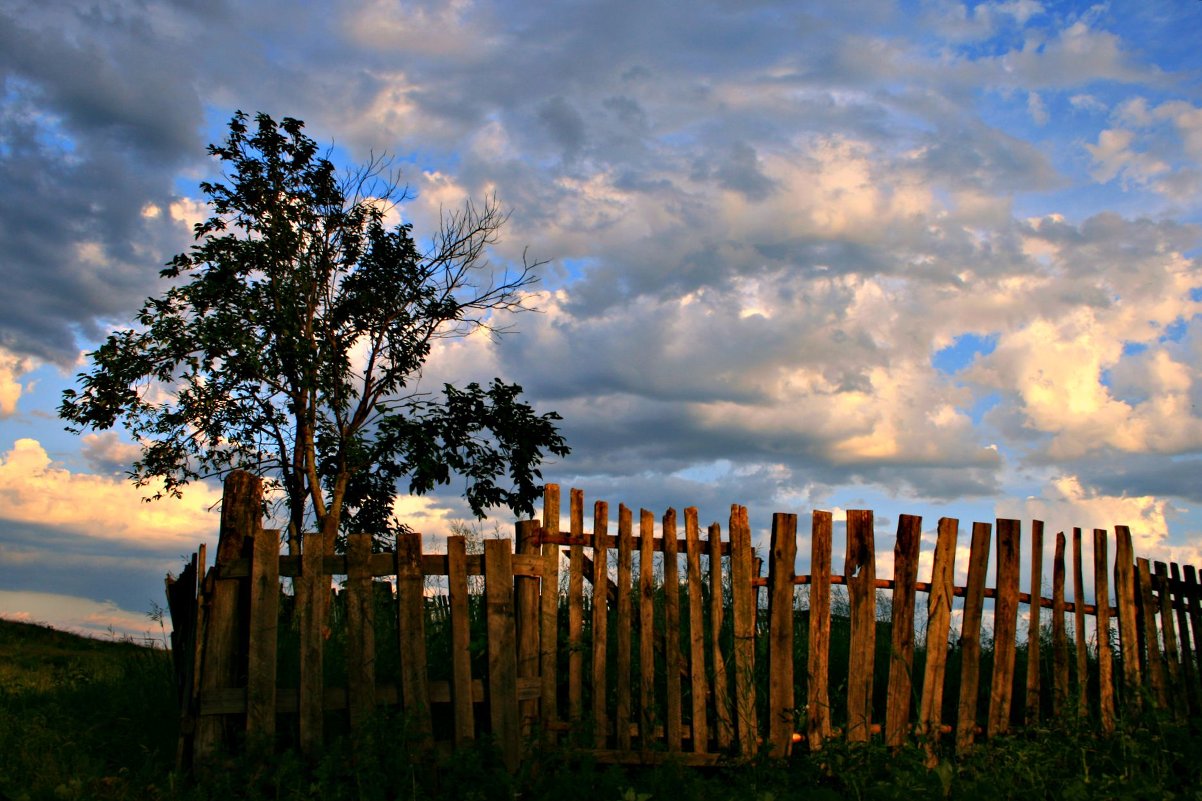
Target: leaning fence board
point(264, 621)
point(901, 652)
point(818, 706)
point(647, 717)
point(723, 725)
point(939, 615)
point(697, 684)
point(502, 650)
point(780, 633)
point(1059, 636)
point(360, 618)
point(1177, 588)
point(1156, 669)
point(1194, 602)
point(600, 633)
point(624, 630)
point(1079, 619)
point(1124, 595)
point(743, 612)
point(1105, 655)
point(461, 655)
point(860, 570)
point(1005, 625)
point(672, 661)
point(1172, 659)
point(970, 635)
point(1032, 716)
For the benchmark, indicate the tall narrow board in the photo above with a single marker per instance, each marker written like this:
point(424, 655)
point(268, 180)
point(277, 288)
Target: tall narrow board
point(818, 704)
point(624, 627)
point(1105, 655)
point(743, 612)
point(576, 607)
point(780, 633)
point(970, 636)
point(361, 631)
point(502, 651)
point(901, 651)
point(672, 661)
point(600, 622)
point(1124, 595)
point(411, 634)
point(1005, 625)
point(697, 684)
point(461, 655)
point(1059, 635)
point(939, 615)
point(860, 573)
point(723, 721)
point(1033, 623)
point(647, 706)
point(1079, 619)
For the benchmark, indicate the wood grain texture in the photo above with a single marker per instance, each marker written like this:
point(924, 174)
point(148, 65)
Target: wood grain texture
point(504, 714)
point(1033, 625)
point(1105, 654)
point(698, 686)
point(780, 633)
point(461, 656)
point(600, 634)
point(859, 568)
point(818, 705)
point(970, 636)
point(939, 615)
point(901, 650)
point(1060, 682)
point(1125, 598)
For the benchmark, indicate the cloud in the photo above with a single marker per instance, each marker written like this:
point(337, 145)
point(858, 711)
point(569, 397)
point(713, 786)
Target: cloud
point(12, 367)
point(101, 619)
point(35, 490)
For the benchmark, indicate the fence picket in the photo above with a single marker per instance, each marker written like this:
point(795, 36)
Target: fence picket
point(549, 616)
point(860, 572)
point(939, 616)
point(780, 633)
point(411, 633)
point(1177, 588)
point(647, 708)
point(600, 634)
point(818, 705)
point(1079, 619)
point(697, 683)
point(1059, 635)
point(970, 636)
point(264, 621)
point(1172, 658)
point(576, 608)
point(1105, 655)
point(672, 660)
point(504, 713)
point(1125, 595)
point(624, 632)
point(461, 655)
point(723, 722)
point(743, 611)
point(901, 652)
point(1149, 608)
point(360, 618)
point(1033, 638)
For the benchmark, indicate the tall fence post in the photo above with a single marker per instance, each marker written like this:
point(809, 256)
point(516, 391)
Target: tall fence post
point(901, 649)
point(818, 704)
point(1005, 625)
point(970, 636)
point(939, 615)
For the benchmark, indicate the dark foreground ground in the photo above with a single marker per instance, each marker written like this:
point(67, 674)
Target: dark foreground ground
point(92, 719)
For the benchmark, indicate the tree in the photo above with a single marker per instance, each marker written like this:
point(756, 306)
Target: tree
point(291, 338)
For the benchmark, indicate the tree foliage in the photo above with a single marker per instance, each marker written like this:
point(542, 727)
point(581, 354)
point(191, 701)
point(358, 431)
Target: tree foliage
point(291, 338)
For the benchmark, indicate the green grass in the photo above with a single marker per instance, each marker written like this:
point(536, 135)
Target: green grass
point(84, 719)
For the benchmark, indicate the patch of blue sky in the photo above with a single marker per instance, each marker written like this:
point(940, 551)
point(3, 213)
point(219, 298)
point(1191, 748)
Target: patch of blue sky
point(1175, 331)
point(43, 391)
point(709, 473)
point(963, 352)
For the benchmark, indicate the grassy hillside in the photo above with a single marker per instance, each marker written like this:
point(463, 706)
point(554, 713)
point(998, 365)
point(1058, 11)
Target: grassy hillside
point(82, 718)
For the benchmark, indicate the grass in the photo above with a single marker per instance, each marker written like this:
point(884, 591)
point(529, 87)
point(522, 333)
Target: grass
point(92, 719)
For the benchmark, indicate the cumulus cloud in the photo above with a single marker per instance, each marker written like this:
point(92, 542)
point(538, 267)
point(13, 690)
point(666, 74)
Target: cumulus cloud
point(36, 491)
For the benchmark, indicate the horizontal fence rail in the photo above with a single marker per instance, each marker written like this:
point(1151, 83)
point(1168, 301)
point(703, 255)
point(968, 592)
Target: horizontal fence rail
point(667, 641)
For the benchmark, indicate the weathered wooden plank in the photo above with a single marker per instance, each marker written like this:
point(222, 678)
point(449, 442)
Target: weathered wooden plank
point(1193, 599)
point(970, 636)
point(461, 656)
point(1079, 619)
point(1125, 598)
point(502, 650)
point(1005, 625)
point(224, 655)
point(625, 626)
point(743, 612)
point(549, 616)
point(1105, 654)
point(526, 597)
point(312, 609)
point(1181, 607)
point(576, 609)
point(860, 572)
point(647, 716)
point(411, 634)
point(360, 631)
point(1059, 636)
point(781, 569)
point(264, 620)
point(698, 688)
point(1172, 656)
point(600, 622)
point(939, 616)
point(1033, 638)
point(818, 705)
point(673, 664)
point(901, 651)
point(723, 722)
point(1149, 608)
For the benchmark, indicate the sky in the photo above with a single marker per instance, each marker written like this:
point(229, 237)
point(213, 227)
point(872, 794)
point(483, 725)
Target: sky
point(929, 257)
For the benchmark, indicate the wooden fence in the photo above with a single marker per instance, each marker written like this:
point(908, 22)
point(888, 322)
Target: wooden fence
point(649, 664)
